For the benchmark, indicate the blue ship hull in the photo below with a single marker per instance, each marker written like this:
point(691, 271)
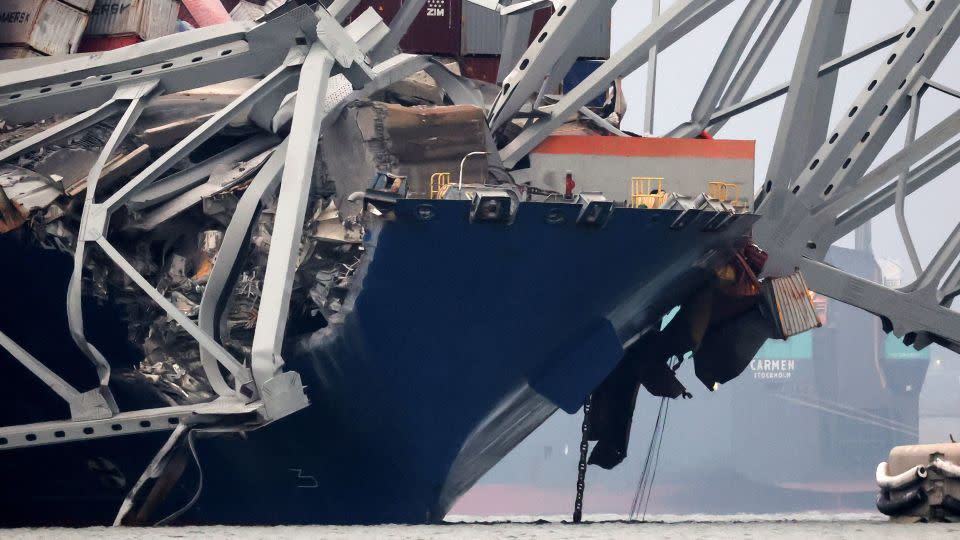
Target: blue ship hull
point(457, 340)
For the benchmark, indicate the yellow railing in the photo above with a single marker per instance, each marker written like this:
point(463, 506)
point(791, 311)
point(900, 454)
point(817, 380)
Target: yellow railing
point(727, 192)
point(438, 181)
point(647, 192)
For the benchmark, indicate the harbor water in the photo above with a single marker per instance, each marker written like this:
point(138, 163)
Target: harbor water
point(754, 526)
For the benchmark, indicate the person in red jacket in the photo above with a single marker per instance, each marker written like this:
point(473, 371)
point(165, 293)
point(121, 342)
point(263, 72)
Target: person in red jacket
point(568, 194)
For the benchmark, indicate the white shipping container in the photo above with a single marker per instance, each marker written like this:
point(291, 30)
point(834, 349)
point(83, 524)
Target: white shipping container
point(48, 26)
point(482, 34)
point(85, 5)
point(14, 53)
point(147, 19)
point(481, 31)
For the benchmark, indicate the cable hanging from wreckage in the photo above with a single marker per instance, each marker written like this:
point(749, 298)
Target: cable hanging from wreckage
point(311, 67)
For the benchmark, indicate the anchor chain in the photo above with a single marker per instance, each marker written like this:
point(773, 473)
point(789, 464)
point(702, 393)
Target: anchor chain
point(582, 466)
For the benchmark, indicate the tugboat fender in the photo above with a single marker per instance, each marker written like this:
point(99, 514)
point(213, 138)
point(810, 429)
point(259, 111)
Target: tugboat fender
point(951, 504)
point(946, 468)
point(900, 481)
point(898, 504)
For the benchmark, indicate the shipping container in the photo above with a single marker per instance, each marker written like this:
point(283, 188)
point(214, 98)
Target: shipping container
point(581, 70)
point(48, 26)
point(540, 18)
point(483, 68)
point(482, 32)
point(15, 53)
point(436, 30)
point(595, 37)
point(185, 16)
point(147, 19)
point(106, 43)
point(83, 5)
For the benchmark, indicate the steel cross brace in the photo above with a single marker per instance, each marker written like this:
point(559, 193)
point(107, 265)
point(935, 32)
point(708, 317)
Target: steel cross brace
point(871, 206)
point(135, 97)
point(93, 225)
point(95, 221)
point(347, 47)
point(841, 161)
point(723, 69)
point(540, 60)
point(661, 32)
point(880, 107)
point(124, 423)
point(909, 313)
point(83, 405)
point(769, 35)
point(831, 195)
point(728, 111)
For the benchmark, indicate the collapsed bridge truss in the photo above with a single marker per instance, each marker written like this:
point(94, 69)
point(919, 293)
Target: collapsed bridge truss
point(819, 186)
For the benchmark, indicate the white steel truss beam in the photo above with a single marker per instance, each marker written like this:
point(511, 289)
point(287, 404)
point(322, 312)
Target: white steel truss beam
point(723, 68)
point(624, 61)
point(726, 112)
point(83, 405)
point(541, 58)
point(747, 73)
point(274, 305)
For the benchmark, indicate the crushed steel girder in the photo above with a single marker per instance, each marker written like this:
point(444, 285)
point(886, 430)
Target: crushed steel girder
point(304, 47)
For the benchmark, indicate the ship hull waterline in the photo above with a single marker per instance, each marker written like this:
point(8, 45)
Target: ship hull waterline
point(457, 340)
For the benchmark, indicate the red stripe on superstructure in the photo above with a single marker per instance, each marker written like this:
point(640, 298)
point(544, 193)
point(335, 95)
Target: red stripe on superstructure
point(647, 147)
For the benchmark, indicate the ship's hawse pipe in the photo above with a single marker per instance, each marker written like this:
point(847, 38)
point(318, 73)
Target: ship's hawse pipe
point(887, 482)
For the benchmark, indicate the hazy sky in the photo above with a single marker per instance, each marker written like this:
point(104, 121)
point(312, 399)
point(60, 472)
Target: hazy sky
point(683, 68)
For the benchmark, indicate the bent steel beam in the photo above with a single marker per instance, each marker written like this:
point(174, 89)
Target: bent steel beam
point(541, 57)
point(730, 110)
point(266, 362)
point(878, 201)
point(624, 61)
point(222, 277)
point(136, 97)
point(747, 73)
point(88, 405)
point(854, 143)
point(209, 128)
point(723, 68)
